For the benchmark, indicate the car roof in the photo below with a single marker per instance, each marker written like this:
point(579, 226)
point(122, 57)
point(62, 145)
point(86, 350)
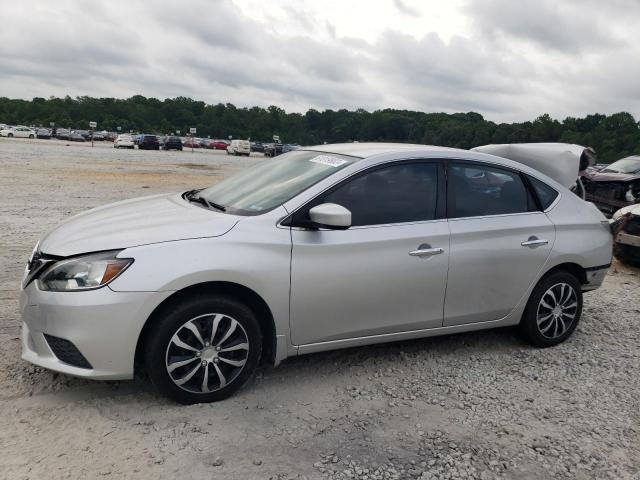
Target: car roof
point(368, 149)
point(374, 153)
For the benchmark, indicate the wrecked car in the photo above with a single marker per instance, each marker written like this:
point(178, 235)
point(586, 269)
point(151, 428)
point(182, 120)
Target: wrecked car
point(615, 186)
point(625, 226)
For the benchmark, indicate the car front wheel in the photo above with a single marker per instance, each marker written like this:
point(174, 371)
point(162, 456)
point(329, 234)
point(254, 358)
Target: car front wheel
point(553, 310)
point(203, 349)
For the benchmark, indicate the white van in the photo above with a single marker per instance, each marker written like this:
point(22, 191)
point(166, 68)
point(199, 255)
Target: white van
point(239, 147)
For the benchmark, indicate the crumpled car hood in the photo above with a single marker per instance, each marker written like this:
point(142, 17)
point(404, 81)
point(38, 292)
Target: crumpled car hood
point(632, 209)
point(612, 177)
point(139, 221)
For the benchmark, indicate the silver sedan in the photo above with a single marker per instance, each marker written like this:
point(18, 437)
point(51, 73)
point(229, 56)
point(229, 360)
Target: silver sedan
point(321, 248)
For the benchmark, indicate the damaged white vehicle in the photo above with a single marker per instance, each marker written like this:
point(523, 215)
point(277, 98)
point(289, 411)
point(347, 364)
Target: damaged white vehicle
point(321, 248)
point(625, 226)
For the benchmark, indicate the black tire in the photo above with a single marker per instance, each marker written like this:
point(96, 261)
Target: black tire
point(31, 137)
point(535, 319)
point(10, 135)
point(159, 349)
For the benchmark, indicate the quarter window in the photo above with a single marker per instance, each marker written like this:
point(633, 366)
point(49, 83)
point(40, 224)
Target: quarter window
point(545, 193)
point(478, 190)
point(406, 192)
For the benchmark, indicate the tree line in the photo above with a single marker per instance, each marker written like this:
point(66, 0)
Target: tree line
point(613, 136)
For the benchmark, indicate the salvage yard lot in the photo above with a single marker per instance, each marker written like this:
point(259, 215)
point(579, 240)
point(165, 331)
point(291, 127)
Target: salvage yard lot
point(477, 405)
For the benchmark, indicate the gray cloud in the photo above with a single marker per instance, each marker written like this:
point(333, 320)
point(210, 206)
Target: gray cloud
point(563, 26)
point(517, 59)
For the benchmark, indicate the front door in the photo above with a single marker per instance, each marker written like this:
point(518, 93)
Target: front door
point(385, 274)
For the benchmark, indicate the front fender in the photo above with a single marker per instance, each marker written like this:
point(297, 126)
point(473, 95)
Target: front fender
point(254, 257)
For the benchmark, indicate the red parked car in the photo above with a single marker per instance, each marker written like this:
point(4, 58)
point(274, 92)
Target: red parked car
point(218, 145)
point(191, 143)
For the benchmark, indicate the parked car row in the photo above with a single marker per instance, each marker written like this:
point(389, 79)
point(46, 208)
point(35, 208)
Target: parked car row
point(150, 142)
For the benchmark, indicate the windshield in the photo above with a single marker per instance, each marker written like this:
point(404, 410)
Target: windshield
point(626, 165)
point(273, 182)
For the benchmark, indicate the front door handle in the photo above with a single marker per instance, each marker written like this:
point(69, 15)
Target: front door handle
point(425, 250)
point(534, 241)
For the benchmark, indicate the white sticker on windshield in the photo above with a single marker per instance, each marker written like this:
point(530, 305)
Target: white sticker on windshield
point(328, 160)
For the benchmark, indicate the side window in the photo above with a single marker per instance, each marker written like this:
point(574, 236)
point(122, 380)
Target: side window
point(477, 190)
point(405, 192)
point(545, 193)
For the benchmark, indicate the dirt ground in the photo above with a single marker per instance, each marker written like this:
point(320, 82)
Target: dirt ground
point(480, 405)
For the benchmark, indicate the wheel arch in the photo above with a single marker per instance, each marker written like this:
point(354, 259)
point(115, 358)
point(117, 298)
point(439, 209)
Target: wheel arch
point(234, 290)
point(573, 268)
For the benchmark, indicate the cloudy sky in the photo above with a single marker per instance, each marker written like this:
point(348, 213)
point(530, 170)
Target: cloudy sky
point(509, 60)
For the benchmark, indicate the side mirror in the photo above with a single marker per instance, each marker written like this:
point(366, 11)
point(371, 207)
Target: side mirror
point(330, 215)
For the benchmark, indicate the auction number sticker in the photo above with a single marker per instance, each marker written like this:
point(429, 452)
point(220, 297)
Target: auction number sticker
point(328, 160)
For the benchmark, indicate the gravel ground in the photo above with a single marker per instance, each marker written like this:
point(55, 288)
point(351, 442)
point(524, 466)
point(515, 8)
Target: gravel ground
point(479, 405)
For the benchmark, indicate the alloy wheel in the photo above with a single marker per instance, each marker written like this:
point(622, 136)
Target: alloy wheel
point(207, 353)
point(557, 310)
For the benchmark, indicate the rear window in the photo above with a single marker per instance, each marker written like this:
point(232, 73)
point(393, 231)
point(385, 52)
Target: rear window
point(545, 193)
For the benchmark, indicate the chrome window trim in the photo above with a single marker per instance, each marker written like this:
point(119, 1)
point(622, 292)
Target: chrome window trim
point(365, 227)
point(435, 158)
point(538, 212)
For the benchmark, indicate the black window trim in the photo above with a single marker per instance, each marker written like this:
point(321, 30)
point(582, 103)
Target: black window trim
point(535, 193)
point(441, 211)
point(480, 164)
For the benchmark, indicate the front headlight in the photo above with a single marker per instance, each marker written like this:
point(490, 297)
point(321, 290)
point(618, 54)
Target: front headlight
point(83, 273)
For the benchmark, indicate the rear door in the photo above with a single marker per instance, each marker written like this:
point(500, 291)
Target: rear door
point(385, 274)
point(499, 242)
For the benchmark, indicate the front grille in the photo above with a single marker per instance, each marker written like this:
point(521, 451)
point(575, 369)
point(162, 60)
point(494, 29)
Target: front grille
point(67, 352)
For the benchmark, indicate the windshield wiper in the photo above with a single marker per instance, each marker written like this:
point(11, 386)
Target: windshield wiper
point(192, 196)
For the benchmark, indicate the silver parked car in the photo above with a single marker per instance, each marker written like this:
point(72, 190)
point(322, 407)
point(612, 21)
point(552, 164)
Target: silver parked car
point(320, 248)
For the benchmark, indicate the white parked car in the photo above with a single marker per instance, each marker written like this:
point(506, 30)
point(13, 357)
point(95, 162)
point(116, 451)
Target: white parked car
point(124, 141)
point(320, 248)
point(18, 132)
point(239, 147)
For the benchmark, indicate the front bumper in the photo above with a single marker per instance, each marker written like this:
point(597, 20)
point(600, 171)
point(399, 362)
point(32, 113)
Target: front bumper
point(628, 239)
point(102, 324)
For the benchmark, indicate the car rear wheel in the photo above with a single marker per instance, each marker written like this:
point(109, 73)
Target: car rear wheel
point(553, 310)
point(10, 135)
point(203, 349)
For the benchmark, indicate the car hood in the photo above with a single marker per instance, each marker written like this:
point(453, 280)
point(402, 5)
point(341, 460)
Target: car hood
point(632, 209)
point(139, 221)
point(612, 177)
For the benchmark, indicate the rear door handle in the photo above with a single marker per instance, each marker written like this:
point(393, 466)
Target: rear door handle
point(534, 242)
point(425, 250)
